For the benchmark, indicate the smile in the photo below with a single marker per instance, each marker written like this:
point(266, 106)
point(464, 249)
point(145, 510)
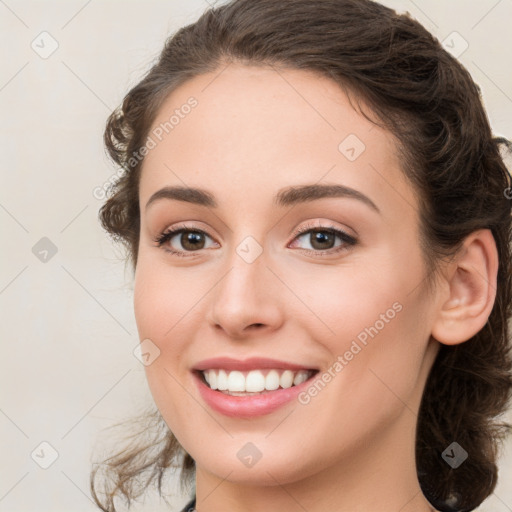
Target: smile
point(239, 383)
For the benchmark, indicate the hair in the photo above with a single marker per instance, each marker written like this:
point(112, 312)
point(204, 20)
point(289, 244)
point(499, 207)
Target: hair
point(415, 89)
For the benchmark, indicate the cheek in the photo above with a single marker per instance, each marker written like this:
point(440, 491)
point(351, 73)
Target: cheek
point(376, 297)
point(378, 325)
point(348, 303)
point(162, 297)
point(163, 305)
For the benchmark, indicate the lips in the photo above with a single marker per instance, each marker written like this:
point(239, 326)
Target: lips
point(253, 363)
point(250, 387)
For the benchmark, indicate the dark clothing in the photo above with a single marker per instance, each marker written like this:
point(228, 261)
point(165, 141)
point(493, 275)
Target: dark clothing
point(190, 506)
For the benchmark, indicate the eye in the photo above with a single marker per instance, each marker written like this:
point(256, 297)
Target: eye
point(190, 240)
point(322, 239)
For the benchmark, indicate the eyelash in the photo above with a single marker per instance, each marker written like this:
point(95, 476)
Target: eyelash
point(348, 240)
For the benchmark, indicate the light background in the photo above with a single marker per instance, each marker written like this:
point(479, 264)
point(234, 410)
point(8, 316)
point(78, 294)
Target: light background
point(67, 325)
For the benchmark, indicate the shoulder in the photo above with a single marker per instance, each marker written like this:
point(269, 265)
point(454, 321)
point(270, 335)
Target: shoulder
point(190, 507)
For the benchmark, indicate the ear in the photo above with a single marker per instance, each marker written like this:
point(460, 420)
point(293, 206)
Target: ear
point(469, 291)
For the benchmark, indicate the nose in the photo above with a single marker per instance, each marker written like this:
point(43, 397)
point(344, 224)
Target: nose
point(247, 299)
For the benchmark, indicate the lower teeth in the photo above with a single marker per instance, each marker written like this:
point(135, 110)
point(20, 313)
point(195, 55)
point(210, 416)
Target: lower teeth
point(247, 393)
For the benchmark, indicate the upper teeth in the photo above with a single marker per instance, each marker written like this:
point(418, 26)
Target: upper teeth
point(255, 380)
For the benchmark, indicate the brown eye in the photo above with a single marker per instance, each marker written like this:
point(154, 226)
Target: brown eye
point(192, 240)
point(322, 240)
point(181, 241)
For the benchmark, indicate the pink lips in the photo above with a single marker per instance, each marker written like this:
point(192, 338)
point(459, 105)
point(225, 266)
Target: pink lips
point(251, 405)
point(253, 363)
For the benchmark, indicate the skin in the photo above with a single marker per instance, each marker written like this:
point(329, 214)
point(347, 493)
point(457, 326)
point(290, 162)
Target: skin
point(351, 448)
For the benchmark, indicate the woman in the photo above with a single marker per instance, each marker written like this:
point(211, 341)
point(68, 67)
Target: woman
point(318, 219)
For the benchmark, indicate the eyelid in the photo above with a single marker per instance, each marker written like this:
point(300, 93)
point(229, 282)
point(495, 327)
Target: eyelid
point(348, 240)
point(170, 232)
point(326, 225)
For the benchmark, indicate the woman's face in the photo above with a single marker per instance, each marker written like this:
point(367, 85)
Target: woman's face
point(346, 297)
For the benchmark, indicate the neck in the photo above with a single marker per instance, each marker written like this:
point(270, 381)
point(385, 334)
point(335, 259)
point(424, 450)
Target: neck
point(381, 475)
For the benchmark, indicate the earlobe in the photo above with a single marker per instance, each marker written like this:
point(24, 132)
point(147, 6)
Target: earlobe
point(470, 290)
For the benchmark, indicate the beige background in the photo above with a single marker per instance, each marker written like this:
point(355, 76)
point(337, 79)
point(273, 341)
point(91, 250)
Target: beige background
point(67, 326)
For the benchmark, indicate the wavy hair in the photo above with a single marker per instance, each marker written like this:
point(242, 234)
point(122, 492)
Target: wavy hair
point(414, 88)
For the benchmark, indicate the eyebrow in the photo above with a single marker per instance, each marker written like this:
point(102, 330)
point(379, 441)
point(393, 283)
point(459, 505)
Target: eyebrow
point(285, 197)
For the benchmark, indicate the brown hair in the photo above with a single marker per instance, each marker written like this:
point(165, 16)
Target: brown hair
point(427, 99)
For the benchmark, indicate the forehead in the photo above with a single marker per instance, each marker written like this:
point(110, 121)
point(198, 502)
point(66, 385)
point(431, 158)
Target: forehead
point(259, 128)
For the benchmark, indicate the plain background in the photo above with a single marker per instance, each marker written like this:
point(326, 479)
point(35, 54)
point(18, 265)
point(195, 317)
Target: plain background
point(67, 325)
